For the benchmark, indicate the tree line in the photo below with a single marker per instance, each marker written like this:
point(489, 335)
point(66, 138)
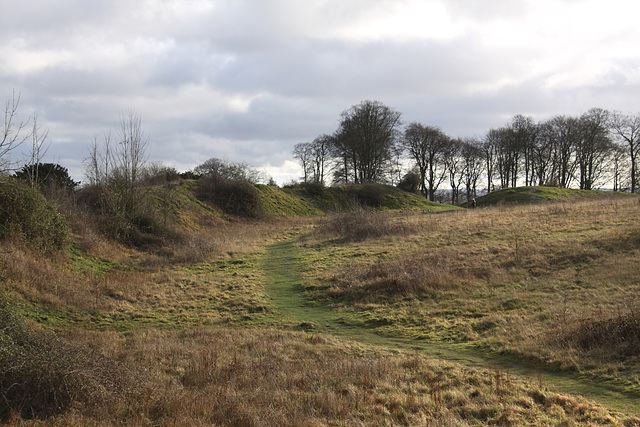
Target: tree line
point(371, 145)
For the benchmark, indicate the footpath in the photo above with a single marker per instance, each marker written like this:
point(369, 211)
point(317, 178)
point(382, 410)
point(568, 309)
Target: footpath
point(281, 265)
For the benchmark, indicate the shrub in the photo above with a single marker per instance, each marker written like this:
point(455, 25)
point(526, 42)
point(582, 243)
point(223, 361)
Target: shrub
point(47, 175)
point(410, 182)
point(129, 217)
point(26, 215)
point(370, 195)
point(313, 189)
point(158, 174)
point(617, 334)
point(360, 224)
point(406, 277)
point(232, 197)
point(43, 375)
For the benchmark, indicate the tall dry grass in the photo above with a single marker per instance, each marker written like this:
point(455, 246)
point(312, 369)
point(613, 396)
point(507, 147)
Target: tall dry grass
point(552, 283)
point(221, 375)
point(230, 376)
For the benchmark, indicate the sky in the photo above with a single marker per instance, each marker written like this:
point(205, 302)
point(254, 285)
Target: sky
point(246, 80)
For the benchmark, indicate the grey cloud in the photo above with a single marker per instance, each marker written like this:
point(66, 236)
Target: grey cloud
point(246, 80)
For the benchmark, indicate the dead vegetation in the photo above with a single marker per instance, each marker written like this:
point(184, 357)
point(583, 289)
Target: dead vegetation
point(184, 333)
point(555, 283)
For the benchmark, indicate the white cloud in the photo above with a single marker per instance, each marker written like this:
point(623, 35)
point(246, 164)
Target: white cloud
point(247, 79)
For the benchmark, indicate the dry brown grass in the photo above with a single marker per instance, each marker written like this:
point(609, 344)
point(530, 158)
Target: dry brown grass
point(359, 224)
point(271, 377)
point(500, 276)
point(555, 283)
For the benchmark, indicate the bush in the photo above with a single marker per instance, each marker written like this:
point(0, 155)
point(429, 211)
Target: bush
point(370, 195)
point(360, 224)
point(42, 375)
point(26, 215)
point(159, 174)
point(615, 334)
point(232, 197)
point(410, 182)
point(47, 176)
point(313, 189)
point(140, 223)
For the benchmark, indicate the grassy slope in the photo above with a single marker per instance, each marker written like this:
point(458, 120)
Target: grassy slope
point(286, 288)
point(536, 282)
point(214, 343)
point(287, 202)
point(528, 195)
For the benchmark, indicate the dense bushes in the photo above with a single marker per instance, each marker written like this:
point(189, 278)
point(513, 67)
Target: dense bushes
point(25, 215)
point(132, 217)
point(233, 197)
point(615, 334)
point(360, 224)
point(370, 195)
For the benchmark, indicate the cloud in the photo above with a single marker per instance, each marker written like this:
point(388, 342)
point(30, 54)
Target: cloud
point(247, 79)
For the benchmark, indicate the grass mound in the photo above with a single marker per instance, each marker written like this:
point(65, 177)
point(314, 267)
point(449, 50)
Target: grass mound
point(285, 202)
point(529, 195)
point(345, 198)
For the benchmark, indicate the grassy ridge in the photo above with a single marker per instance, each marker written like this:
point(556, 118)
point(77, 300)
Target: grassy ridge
point(552, 284)
point(191, 328)
point(529, 195)
point(320, 200)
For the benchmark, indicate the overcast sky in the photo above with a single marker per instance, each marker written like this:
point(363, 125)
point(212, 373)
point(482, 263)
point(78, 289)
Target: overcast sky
point(245, 80)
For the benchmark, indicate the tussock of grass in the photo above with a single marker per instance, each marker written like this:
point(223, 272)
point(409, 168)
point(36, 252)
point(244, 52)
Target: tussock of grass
point(607, 336)
point(408, 277)
point(360, 224)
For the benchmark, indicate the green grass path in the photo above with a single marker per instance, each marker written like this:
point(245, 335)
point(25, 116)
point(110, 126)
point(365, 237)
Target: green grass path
point(284, 285)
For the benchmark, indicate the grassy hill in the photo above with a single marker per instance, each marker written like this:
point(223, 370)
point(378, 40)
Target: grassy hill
point(382, 316)
point(314, 201)
point(528, 195)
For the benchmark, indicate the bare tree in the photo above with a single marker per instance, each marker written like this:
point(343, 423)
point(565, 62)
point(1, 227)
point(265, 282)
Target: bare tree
point(303, 151)
point(473, 162)
point(506, 156)
point(626, 128)
point(543, 156)
point(116, 170)
point(38, 151)
point(620, 167)
point(320, 151)
point(427, 146)
point(455, 168)
point(593, 148)
point(12, 130)
point(365, 140)
point(523, 140)
point(563, 133)
point(133, 146)
point(489, 150)
point(97, 164)
point(218, 169)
